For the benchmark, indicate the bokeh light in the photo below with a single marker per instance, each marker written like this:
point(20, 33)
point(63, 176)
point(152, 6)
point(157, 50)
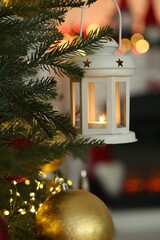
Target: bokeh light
point(134, 50)
point(142, 46)
point(125, 45)
point(92, 27)
point(68, 37)
point(135, 38)
point(65, 27)
point(76, 27)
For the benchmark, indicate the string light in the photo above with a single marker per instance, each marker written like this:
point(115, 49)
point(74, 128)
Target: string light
point(69, 182)
point(32, 195)
point(27, 182)
point(6, 212)
point(23, 207)
point(14, 182)
point(32, 209)
point(22, 211)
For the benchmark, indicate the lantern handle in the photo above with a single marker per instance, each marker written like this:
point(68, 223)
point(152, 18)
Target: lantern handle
point(120, 20)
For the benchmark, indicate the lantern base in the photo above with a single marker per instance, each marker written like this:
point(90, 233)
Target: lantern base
point(115, 138)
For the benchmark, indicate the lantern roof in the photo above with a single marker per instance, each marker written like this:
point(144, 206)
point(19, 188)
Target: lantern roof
point(110, 46)
point(104, 61)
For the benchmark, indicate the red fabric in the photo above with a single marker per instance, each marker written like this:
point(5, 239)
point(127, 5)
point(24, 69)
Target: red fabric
point(96, 155)
point(150, 16)
point(3, 230)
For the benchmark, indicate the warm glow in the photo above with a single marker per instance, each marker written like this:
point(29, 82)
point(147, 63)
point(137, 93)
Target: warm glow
point(14, 182)
point(62, 42)
point(154, 184)
point(125, 45)
point(92, 27)
point(32, 195)
point(22, 211)
point(136, 37)
point(68, 37)
point(76, 27)
point(142, 46)
point(101, 119)
point(69, 182)
point(134, 51)
point(5, 2)
point(65, 27)
point(134, 185)
point(32, 209)
point(6, 212)
point(27, 182)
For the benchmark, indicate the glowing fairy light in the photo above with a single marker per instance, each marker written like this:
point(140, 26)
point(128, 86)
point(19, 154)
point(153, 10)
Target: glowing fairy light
point(11, 191)
point(22, 211)
point(41, 186)
point(69, 182)
point(14, 182)
point(18, 194)
point(6, 212)
point(32, 209)
point(58, 188)
point(27, 182)
point(32, 195)
point(38, 184)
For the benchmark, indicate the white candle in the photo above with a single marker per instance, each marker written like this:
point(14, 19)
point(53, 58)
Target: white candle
point(102, 123)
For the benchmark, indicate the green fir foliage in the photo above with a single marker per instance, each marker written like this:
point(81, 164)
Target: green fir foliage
point(32, 132)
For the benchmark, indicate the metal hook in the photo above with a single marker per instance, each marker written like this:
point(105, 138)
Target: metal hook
point(82, 17)
point(120, 20)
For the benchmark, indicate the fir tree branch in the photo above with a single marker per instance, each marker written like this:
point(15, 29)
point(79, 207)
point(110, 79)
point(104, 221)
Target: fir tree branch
point(42, 89)
point(92, 42)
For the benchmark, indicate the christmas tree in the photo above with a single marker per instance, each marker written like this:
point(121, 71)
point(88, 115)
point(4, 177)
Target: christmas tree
point(32, 132)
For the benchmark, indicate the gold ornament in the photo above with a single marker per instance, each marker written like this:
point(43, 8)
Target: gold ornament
point(52, 166)
point(74, 215)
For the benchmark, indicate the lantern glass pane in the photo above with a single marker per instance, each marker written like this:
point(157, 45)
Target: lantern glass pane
point(76, 105)
point(97, 108)
point(120, 104)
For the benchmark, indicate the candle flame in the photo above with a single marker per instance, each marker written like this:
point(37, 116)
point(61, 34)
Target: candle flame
point(101, 119)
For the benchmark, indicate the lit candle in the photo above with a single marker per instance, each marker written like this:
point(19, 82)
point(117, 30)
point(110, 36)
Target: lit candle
point(101, 123)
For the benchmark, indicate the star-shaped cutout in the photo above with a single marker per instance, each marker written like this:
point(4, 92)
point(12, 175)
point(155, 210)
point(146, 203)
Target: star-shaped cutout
point(120, 62)
point(86, 63)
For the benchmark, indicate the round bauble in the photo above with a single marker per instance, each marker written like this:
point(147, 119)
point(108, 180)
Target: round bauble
point(74, 215)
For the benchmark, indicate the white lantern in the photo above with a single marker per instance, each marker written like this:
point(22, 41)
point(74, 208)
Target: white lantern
point(100, 103)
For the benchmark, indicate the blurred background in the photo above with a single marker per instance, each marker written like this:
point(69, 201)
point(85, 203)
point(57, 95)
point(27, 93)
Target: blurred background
point(127, 176)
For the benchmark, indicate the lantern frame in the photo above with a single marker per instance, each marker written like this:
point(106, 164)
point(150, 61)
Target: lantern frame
point(113, 71)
